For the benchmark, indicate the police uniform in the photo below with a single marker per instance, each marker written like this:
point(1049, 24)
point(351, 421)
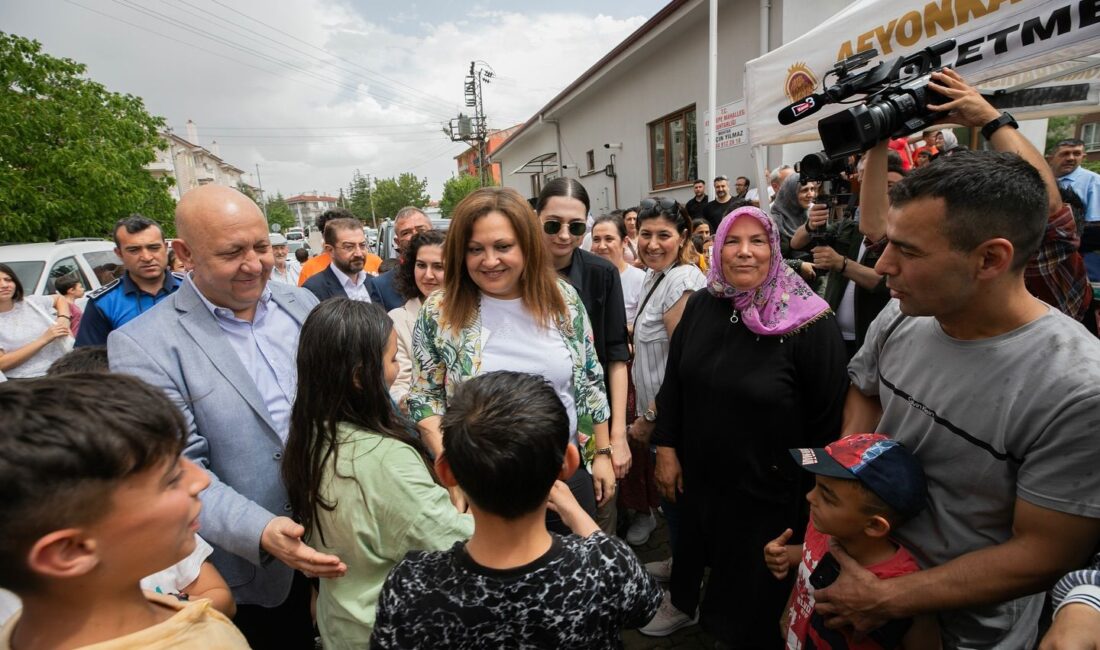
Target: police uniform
point(117, 303)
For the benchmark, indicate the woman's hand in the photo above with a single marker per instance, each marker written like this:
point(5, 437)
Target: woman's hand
point(620, 455)
point(817, 216)
point(827, 259)
point(603, 479)
point(572, 514)
point(806, 270)
point(458, 498)
point(670, 478)
point(59, 329)
point(641, 430)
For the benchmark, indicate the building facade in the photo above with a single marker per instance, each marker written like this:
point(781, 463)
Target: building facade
point(633, 125)
point(467, 161)
point(192, 165)
point(307, 207)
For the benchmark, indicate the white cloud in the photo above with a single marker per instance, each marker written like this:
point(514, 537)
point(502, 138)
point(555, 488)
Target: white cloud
point(534, 56)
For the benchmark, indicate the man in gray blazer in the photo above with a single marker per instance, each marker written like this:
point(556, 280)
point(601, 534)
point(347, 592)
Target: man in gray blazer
point(223, 347)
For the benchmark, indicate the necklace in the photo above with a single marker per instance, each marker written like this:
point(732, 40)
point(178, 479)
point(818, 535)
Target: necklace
point(735, 318)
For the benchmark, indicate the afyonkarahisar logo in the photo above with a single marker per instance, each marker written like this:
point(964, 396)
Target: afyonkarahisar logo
point(801, 82)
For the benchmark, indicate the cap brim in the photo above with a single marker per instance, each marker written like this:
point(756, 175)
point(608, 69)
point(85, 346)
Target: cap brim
point(818, 461)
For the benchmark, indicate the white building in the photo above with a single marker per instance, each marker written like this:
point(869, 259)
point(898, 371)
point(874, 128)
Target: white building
point(307, 207)
point(632, 125)
point(192, 165)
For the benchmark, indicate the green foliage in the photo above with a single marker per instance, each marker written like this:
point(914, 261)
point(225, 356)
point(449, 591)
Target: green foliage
point(454, 190)
point(392, 194)
point(1092, 166)
point(358, 198)
point(279, 212)
point(1059, 128)
point(72, 153)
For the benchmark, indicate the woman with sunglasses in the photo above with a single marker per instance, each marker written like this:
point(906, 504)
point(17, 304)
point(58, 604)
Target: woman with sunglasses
point(562, 209)
point(664, 230)
point(501, 307)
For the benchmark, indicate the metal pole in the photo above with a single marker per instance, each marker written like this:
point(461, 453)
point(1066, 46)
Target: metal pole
point(712, 89)
point(370, 186)
point(260, 183)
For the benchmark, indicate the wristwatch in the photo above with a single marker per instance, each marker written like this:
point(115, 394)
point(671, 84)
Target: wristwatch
point(604, 451)
point(1005, 119)
point(650, 415)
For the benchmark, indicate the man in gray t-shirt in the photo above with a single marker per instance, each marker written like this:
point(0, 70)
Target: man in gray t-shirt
point(994, 391)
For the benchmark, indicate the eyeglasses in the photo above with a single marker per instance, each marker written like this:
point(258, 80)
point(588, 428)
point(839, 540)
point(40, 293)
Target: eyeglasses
point(669, 205)
point(351, 248)
point(576, 228)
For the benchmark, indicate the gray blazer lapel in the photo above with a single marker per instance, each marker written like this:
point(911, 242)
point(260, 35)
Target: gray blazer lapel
point(288, 298)
point(199, 323)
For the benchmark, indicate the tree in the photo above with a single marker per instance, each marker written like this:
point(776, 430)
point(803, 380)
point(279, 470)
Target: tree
point(279, 212)
point(359, 197)
point(392, 194)
point(72, 153)
point(454, 190)
point(1060, 128)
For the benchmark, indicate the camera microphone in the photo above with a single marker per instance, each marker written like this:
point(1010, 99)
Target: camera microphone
point(802, 108)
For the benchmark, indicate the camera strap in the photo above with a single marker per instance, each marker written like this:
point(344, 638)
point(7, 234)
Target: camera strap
point(645, 301)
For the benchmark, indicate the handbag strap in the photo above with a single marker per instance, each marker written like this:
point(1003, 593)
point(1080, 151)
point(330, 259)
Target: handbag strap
point(641, 308)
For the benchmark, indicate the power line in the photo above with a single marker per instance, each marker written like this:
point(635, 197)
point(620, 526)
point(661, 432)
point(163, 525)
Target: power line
point(298, 128)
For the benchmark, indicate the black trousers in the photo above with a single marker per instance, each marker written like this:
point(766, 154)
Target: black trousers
point(288, 625)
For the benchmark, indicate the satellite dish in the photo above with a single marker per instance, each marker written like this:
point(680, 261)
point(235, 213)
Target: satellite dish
point(276, 227)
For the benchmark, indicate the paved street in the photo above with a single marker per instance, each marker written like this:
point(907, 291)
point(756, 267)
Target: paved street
point(691, 637)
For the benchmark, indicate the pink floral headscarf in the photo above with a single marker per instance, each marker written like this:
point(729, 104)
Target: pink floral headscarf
point(782, 303)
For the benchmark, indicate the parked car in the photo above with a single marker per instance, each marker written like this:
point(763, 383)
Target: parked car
point(92, 261)
point(384, 247)
point(295, 234)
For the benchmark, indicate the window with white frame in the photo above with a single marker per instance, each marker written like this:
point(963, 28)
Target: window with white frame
point(1090, 133)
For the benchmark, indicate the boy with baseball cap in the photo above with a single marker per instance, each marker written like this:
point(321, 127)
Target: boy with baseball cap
point(867, 485)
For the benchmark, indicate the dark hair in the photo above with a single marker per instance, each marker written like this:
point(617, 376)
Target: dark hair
point(1076, 206)
point(697, 181)
point(135, 223)
point(721, 177)
point(301, 254)
point(896, 167)
point(405, 276)
point(614, 218)
point(504, 437)
point(748, 183)
point(66, 443)
point(567, 187)
point(695, 223)
point(677, 215)
point(697, 241)
point(18, 294)
point(89, 358)
point(340, 380)
point(171, 258)
point(1068, 142)
point(966, 181)
point(66, 282)
point(334, 213)
point(333, 225)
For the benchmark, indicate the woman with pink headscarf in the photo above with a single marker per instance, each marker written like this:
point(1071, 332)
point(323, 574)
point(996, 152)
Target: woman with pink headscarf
point(756, 367)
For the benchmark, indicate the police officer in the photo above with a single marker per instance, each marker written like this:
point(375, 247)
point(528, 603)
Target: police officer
point(139, 243)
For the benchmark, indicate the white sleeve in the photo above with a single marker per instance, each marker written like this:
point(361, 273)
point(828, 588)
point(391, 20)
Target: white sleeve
point(175, 578)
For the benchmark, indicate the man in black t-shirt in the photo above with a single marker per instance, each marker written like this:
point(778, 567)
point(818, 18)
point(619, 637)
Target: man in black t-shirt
point(722, 204)
point(698, 203)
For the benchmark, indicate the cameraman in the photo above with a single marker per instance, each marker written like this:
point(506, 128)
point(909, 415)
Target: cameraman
point(852, 288)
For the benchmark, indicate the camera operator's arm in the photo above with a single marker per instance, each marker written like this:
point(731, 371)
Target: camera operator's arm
point(817, 219)
point(825, 257)
point(873, 199)
point(969, 108)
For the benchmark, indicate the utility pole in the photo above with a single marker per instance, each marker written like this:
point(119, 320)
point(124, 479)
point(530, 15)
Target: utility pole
point(475, 130)
point(260, 183)
point(370, 186)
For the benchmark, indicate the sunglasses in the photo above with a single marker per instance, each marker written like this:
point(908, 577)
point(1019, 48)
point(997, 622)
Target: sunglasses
point(576, 228)
point(669, 205)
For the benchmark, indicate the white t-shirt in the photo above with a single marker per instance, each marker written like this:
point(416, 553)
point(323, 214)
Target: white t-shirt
point(632, 278)
point(175, 578)
point(23, 324)
point(514, 341)
point(754, 194)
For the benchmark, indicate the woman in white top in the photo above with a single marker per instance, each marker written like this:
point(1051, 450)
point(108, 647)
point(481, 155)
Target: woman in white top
point(630, 248)
point(34, 330)
point(419, 275)
point(608, 239)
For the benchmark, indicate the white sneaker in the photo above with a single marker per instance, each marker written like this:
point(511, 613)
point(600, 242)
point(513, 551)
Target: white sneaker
point(640, 529)
point(668, 619)
point(660, 570)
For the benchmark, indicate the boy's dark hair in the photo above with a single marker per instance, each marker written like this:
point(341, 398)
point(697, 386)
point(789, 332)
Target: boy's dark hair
point(873, 505)
point(134, 223)
point(966, 181)
point(301, 254)
point(65, 444)
point(89, 358)
point(65, 283)
point(504, 436)
point(334, 213)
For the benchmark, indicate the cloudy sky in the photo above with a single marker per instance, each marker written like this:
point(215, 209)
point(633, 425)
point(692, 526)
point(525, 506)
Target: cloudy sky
point(312, 90)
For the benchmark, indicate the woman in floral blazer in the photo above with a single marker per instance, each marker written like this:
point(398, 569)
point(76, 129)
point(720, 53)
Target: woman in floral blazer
point(503, 308)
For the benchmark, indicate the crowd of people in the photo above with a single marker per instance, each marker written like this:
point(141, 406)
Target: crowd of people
point(863, 425)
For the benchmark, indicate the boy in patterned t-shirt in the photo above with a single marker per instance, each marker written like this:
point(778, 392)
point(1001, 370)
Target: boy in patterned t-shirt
point(514, 584)
point(867, 485)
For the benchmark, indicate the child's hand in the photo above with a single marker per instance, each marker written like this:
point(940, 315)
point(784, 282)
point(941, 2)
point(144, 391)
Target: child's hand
point(572, 514)
point(775, 555)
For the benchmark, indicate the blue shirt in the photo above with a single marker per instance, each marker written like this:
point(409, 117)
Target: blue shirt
point(117, 303)
point(1086, 185)
point(267, 348)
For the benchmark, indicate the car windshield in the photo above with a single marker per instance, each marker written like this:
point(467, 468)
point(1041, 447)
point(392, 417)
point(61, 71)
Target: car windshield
point(28, 274)
point(294, 235)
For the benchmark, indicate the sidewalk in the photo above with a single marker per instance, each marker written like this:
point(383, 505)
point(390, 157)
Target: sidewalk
point(657, 548)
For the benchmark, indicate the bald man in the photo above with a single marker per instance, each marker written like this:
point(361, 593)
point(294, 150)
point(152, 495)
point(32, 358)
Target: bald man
point(223, 348)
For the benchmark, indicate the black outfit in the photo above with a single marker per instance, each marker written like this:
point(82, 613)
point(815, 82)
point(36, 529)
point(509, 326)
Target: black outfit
point(326, 285)
point(697, 209)
point(288, 625)
point(600, 287)
point(580, 594)
point(868, 303)
point(732, 403)
point(715, 211)
point(384, 283)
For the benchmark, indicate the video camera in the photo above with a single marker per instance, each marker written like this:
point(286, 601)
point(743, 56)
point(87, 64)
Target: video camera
point(896, 104)
point(832, 175)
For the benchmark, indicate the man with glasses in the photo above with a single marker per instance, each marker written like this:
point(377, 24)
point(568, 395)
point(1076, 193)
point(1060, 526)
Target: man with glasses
point(346, 246)
point(407, 224)
point(722, 204)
